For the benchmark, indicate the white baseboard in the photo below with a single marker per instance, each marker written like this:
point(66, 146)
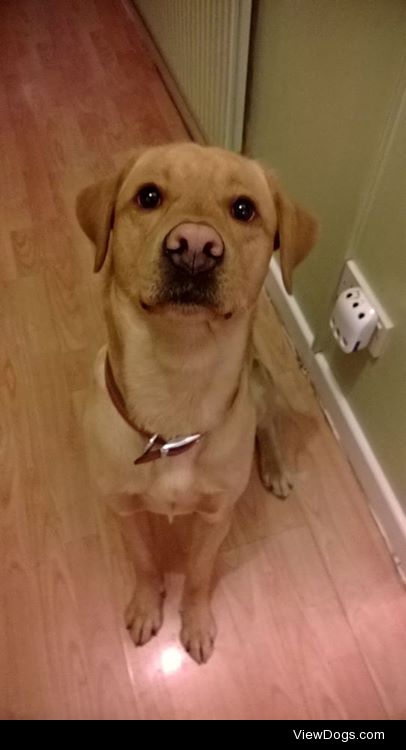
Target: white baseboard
point(385, 505)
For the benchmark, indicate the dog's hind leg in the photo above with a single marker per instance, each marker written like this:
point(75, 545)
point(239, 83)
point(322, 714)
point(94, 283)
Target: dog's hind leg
point(273, 471)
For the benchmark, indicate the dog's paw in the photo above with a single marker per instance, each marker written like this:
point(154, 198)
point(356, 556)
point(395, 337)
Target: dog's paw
point(198, 632)
point(144, 614)
point(279, 484)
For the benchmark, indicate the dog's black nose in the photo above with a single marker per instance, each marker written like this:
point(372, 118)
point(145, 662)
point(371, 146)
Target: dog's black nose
point(194, 247)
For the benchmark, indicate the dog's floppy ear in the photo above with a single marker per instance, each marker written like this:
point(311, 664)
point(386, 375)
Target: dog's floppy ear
point(95, 211)
point(95, 208)
point(296, 233)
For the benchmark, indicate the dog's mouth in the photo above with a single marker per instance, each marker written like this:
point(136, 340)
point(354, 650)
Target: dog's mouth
point(184, 311)
point(181, 289)
point(185, 307)
point(184, 295)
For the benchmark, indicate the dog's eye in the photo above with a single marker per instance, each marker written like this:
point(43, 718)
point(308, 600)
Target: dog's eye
point(149, 197)
point(243, 209)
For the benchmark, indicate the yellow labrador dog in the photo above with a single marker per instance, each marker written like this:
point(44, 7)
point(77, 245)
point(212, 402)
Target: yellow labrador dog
point(183, 237)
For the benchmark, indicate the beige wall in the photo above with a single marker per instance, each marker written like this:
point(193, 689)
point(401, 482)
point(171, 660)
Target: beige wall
point(328, 111)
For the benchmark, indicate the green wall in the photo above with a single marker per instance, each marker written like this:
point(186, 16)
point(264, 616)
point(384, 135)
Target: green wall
point(327, 110)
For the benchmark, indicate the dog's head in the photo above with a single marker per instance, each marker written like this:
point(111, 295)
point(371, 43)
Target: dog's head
point(191, 229)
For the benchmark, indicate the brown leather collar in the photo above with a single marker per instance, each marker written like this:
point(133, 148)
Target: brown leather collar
point(157, 446)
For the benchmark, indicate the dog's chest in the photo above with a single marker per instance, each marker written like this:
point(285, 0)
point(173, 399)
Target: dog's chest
point(173, 489)
point(202, 479)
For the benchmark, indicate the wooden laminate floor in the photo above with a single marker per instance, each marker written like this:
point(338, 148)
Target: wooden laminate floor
point(311, 614)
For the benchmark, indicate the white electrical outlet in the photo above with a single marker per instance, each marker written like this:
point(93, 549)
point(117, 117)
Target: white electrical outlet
point(353, 321)
point(352, 277)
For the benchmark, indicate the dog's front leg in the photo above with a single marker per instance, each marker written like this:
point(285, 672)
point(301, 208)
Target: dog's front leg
point(144, 613)
point(198, 627)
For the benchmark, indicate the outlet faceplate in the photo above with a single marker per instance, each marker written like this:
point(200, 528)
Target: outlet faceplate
point(352, 276)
